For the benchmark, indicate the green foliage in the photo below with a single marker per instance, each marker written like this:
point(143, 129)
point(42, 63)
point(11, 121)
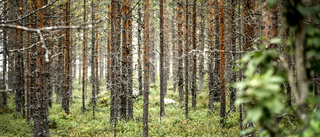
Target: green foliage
point(260, 90)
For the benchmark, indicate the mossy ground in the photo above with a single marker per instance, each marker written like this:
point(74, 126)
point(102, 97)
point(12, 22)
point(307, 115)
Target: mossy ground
point(173, 124)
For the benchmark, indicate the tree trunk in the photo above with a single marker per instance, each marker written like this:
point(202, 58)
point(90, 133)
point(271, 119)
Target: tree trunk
point(211, 58)
point(180, 58)
point(216, 85)
point(233, 50)
point(194, 42)
point(130, 69)
point(187, 60)
point(139, 50)
point(41, 121)
point(162, 71)
point(93, 60)
point(5, 54)
point(146, 70)
point(84, 58)
point(202, 38)
point(114, 50)
point(125, 61)
point(222, 63)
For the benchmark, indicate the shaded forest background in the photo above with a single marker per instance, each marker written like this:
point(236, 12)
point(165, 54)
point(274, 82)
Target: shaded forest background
point(160, 67)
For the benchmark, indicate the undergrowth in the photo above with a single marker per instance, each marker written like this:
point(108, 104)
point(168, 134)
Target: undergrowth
point(174, 123)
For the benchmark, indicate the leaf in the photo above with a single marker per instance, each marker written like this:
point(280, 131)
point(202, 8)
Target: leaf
point(276, 41)
point(255, 114)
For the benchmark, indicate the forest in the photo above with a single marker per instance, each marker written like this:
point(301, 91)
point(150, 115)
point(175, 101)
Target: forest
point(160, 68)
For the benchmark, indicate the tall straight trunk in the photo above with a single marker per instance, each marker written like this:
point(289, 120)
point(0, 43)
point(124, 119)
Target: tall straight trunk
point(5, 53)
point(166, 49)
point(180, 58)
point(130, 69)
point(162, 71)
point(233, 50)
point(202, 39)
point(146, 70)
point(216, 85)
point(109, 56)
point(84, 58)
point(239, 57)
point(222, 63)
point(248, 7)
point(67, 62)
point(211, 57)
point(125, 61)
point(41, 121)
point(153, 61)
point(174, 47)
point(19, 67)
point(194, 42)
point(114, 50)
point(186, 64)
point(97, 60)
point(139, 49)
point(93, 61)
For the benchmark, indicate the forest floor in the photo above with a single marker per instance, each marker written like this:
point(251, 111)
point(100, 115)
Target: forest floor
point(173, 124)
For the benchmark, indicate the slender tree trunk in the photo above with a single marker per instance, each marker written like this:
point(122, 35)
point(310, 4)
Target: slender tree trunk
point(222, 63)
point(125, 61)
point(19, 66)
point(187, 61)
point(174, 46)
point(5, 54)
point(162, 74)
point(166, 49)
point(211, 57)
point(84, 58)
point(217, 58)
point(139, 50)
point(130, 70)
point(194, 42)
point(67, 62)
point(202, 39)
point(114, 51)
point(146, 70)
point(180, 58)
point(233, 50)
point(93, 60)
